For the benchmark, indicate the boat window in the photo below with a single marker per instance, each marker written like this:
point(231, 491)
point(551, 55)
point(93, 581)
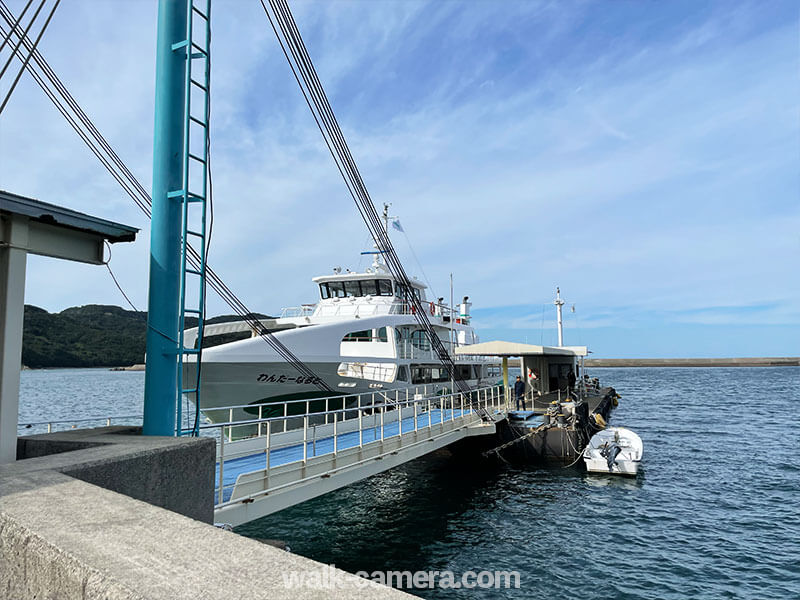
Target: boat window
point(417, 294)
point(324, 292)
point(384, 287)
point(420, 340)
point(464, 372)
point(358, 336)
point(428, 374)
point(382, 335)
point(369, 287)
point(418, 375)
point(402, 373)
point(352, 288)
point(336, 289)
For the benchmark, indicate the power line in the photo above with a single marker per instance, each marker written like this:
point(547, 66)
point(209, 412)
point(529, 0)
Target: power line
point(14, 26)
point(302, 68)
point(114, 278)
point(22, 36)
point(28, 57)
point(64, 102)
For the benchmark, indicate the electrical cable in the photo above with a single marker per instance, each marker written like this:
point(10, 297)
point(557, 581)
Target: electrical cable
point(15, 25)
point(302, 68)
point(363, 202)
point(30, 53)
point(22, 36)
point(119, 287)
point(419, 264)
point(86, 130)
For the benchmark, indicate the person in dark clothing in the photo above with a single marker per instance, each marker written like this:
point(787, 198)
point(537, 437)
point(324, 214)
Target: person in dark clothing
point(519, 392)
point(571, 381)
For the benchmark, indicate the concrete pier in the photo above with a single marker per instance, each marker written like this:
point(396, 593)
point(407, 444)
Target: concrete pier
point(108, 513)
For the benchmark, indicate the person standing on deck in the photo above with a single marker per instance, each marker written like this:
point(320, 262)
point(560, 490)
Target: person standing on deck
point(570, 381)
point(519, 392)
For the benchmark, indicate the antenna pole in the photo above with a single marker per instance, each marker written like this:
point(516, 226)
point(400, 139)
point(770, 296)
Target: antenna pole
point(559, 303)
point(452, 337)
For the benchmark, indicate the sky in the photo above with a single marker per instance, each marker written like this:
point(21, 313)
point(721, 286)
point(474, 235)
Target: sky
point(643, 156)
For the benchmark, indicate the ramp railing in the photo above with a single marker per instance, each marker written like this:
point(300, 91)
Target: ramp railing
point(289, 436)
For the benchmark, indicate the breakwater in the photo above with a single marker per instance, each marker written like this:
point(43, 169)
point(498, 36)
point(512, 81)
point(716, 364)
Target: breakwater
point(777, 361)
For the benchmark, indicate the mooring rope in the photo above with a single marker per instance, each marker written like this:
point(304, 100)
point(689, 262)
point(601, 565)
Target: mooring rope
point(525, 436)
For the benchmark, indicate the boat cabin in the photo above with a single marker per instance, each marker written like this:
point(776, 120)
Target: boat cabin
point(371, 284)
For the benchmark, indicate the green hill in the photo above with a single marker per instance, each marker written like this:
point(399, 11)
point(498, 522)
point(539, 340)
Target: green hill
point(92, 336)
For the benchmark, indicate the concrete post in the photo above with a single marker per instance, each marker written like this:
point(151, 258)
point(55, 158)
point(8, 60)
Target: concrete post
point(163, 316)
point(505, 378)
point(12, 310)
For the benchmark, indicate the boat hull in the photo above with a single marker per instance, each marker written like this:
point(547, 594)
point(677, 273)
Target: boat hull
point(620, 467)
point(615, 451)
point(236, 389)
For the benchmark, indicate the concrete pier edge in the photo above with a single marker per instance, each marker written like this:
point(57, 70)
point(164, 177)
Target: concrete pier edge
point(62, 535)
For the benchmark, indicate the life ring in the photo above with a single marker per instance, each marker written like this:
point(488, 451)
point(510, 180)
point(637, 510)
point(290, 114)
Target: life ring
point(432, 308)
point(413, 309)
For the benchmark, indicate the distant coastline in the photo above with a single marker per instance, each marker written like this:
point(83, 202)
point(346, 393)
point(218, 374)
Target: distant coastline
point(773, 361)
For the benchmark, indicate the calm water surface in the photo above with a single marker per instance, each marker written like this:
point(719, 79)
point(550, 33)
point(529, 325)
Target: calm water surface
point(715, 513)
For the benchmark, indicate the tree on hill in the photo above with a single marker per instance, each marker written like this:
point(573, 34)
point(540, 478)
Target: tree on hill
point(93, 336)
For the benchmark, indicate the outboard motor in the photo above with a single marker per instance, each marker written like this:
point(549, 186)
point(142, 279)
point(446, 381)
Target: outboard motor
point(609, 451)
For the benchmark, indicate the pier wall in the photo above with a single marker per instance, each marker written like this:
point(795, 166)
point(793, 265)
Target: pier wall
point(111, 514)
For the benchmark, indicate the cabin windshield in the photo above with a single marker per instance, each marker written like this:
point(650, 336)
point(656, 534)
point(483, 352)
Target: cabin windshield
point(401, 291)
point(356, 288)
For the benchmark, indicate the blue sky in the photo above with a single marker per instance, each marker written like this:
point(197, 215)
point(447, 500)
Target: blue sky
point(645, 157)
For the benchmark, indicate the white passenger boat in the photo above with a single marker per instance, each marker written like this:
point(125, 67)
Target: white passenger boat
point(360, 336)
point(615, 450)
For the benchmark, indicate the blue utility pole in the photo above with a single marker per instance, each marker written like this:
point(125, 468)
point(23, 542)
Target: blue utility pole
point(163, 316)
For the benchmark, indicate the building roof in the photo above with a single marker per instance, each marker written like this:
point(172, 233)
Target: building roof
point(499, 348)
point(64, 217)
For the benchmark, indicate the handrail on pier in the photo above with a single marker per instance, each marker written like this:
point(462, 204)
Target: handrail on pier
point(289, 442)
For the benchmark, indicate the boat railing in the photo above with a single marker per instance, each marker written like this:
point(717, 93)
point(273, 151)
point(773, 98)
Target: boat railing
point(288, 409)
point(53, 426)
point(306, 310)
point(422, 350)
point(372, 417)
point(360, 309)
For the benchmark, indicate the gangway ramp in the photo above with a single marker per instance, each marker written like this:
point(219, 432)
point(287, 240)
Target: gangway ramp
point(321, 452)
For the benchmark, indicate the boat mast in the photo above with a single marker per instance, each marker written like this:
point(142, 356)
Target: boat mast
point(376, 261)
point(559, 303)
point(452, 335)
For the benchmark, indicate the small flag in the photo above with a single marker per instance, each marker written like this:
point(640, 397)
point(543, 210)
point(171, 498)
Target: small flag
point(396, 225)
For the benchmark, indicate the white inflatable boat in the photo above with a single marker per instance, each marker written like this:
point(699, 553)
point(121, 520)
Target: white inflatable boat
point(614, 450)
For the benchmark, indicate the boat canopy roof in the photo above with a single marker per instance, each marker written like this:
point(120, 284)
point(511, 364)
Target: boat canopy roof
point(500, 348)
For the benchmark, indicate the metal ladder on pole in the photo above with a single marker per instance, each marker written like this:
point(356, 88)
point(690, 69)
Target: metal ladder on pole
point(194, 193)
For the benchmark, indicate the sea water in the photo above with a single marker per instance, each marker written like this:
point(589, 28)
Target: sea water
point(714, 513)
